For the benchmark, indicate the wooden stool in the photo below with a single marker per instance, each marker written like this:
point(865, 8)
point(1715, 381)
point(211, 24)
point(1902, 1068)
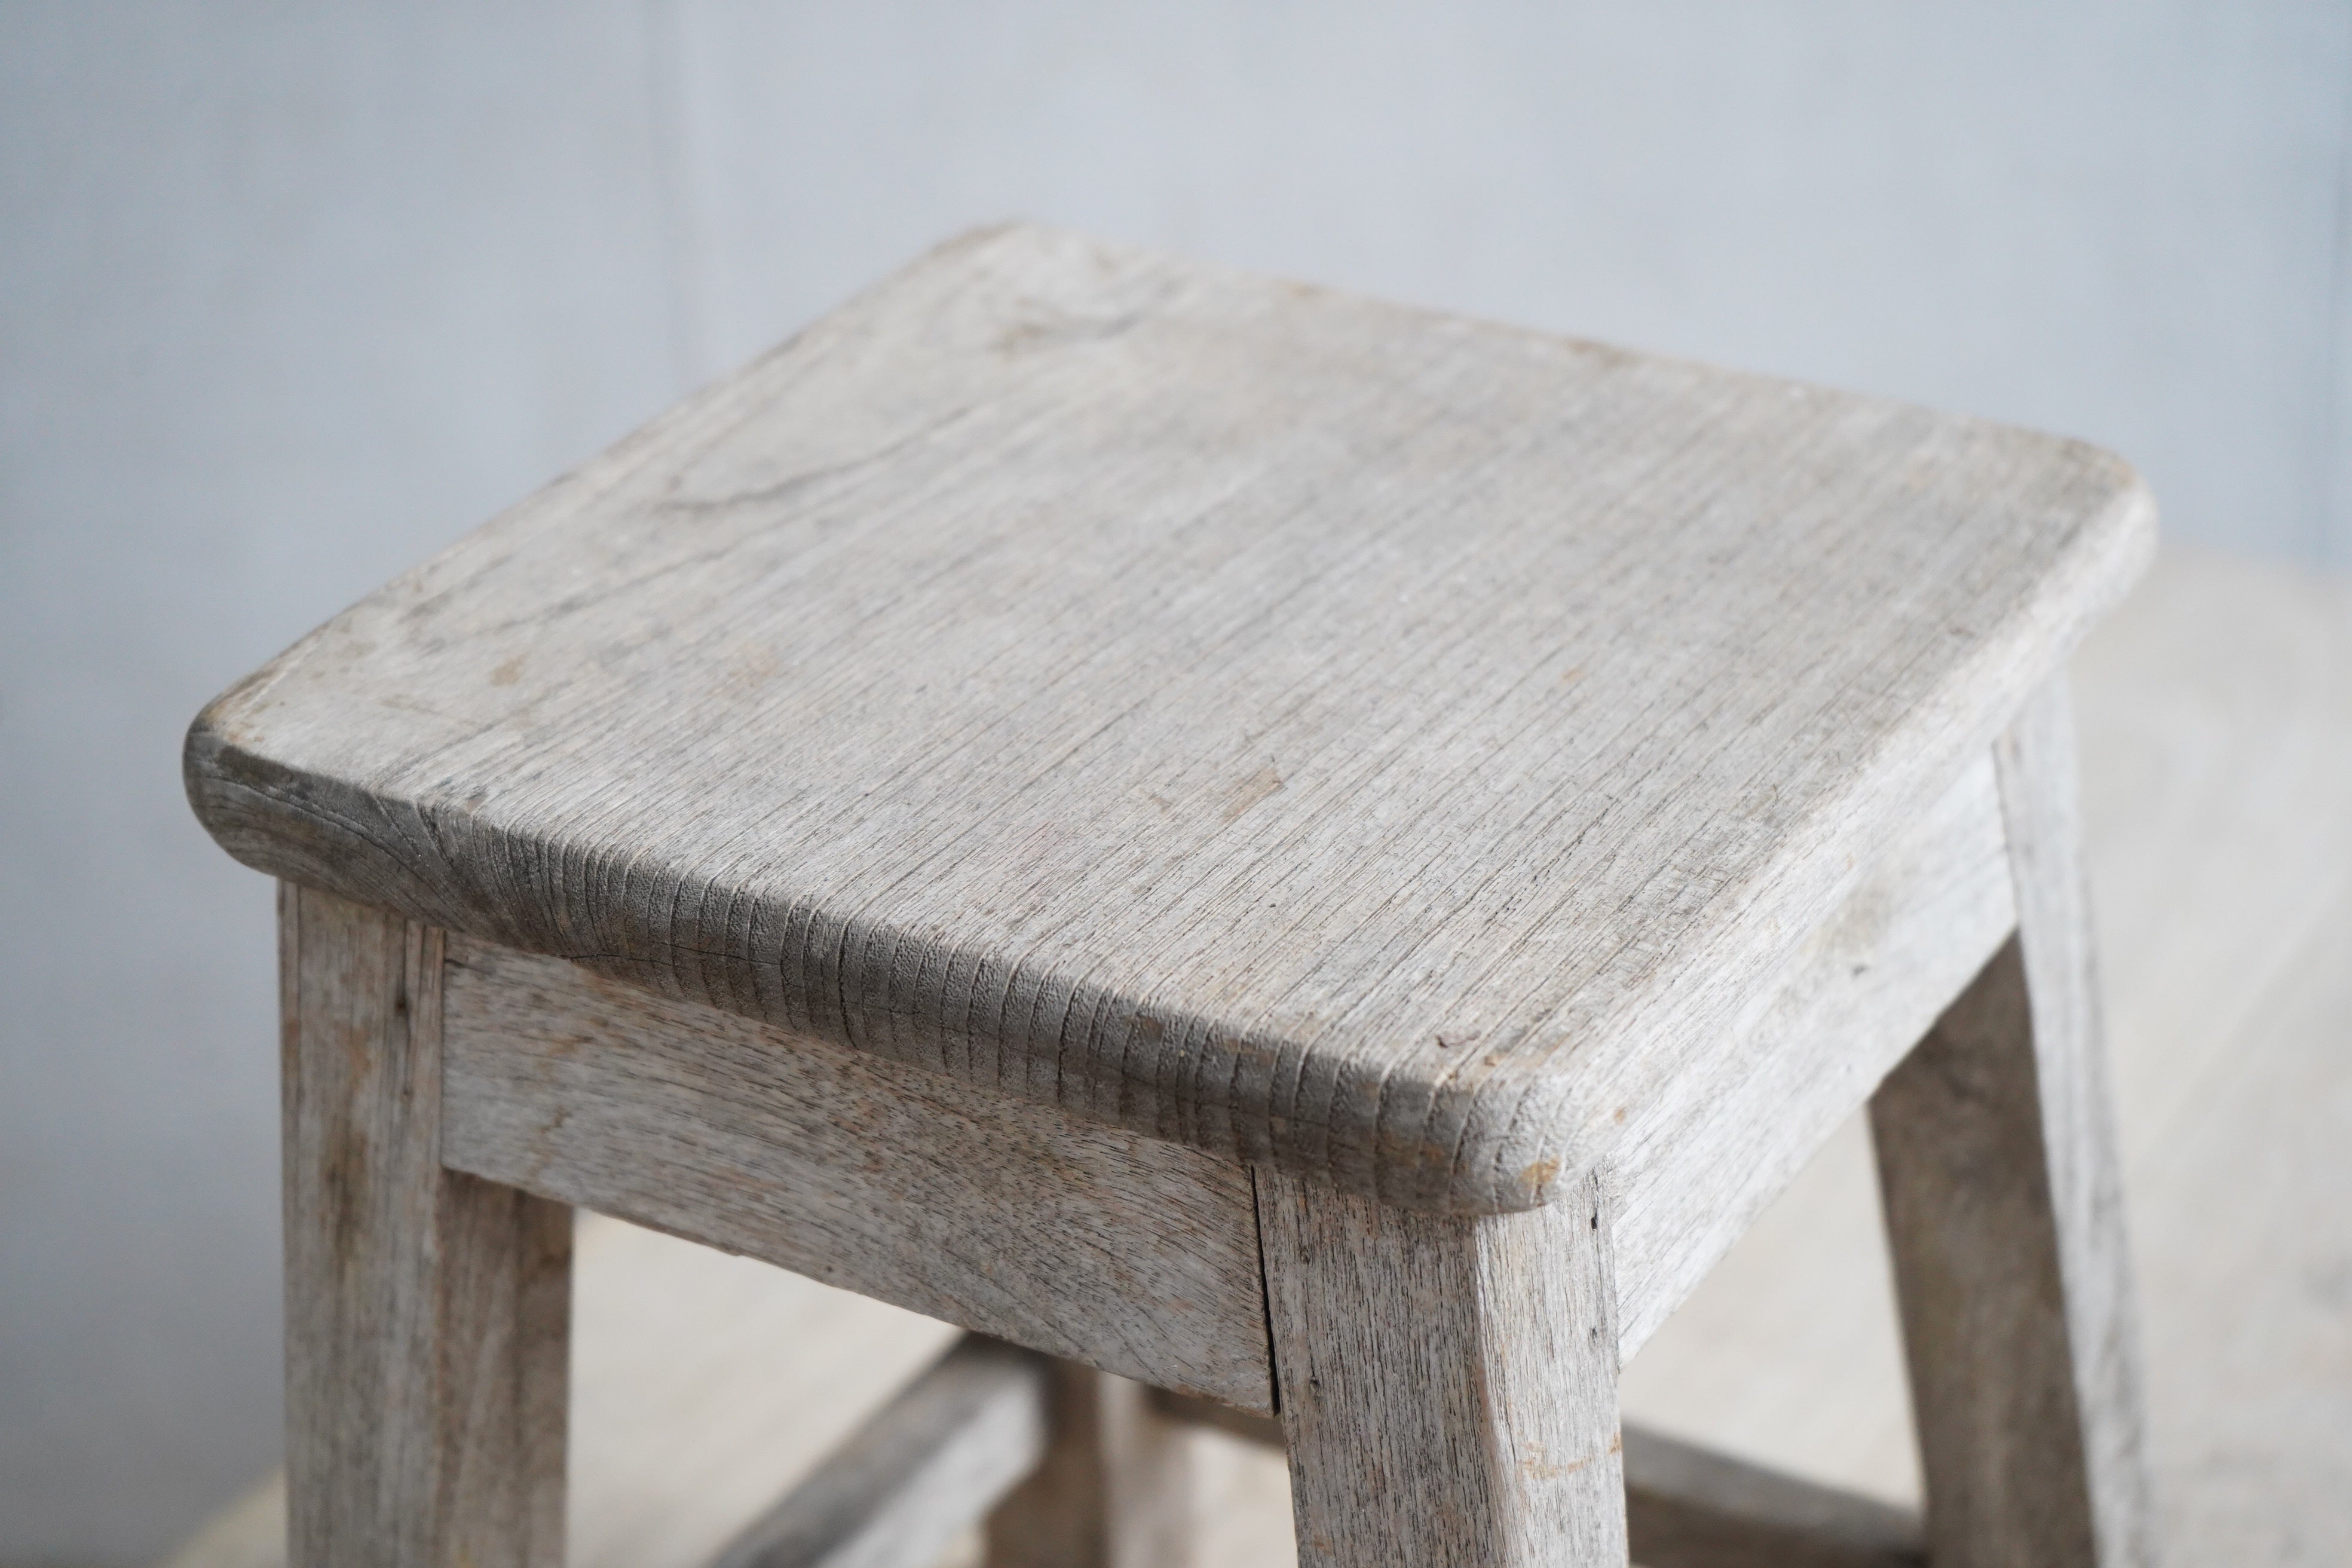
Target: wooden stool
point(1319, 857)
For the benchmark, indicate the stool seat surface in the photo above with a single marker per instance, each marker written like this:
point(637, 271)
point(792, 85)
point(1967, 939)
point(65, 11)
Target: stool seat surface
point(1312, 729)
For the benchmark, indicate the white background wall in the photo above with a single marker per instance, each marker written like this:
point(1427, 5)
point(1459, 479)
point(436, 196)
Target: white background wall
point(290, 296)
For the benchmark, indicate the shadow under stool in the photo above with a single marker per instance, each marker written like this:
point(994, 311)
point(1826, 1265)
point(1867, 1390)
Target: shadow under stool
point(1320, 859)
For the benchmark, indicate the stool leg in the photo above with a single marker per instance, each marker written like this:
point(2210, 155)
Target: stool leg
point(1113, 1490)
point(1448, 1386)
point(426, 1311)
point(2005, 1212)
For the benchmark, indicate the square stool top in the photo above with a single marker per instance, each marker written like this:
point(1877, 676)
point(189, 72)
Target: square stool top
point(1309, 729)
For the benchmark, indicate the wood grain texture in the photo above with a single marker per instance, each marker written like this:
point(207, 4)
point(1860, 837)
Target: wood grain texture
point(2042, 799)
point(989, 1211)
point(2215, 713)
point(925, 1469)
point(2004, 1210)
point(1113, 1489)
point(426, 1311)
point(1705, 1156)
point(1449, 1384)
point(1380, 745)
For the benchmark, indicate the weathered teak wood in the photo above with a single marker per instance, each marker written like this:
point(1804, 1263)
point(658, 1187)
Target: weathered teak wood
point(1382, 747)
point(847, 1168)
point(926, 1467)
point(993, 1212)
point(426, 1310)
point(2005, 1210)
point(1449, 1382)
point(1113, 1489)
point(2215, 744)
point(1497, 800)
point(1701, 1160)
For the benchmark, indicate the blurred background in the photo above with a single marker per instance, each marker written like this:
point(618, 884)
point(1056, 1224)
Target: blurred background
point(291, 296)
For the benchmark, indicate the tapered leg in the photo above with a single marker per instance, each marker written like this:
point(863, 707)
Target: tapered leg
point(1448, 1386)
point(426, 1312)
point(2005, 1210)
point(1113, 1490)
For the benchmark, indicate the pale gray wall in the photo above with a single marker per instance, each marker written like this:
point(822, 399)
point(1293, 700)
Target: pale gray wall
point(291, 295)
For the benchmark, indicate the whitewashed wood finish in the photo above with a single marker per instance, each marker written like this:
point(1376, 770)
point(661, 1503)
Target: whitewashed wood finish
point(426, 1310)
point(2041, 798)
point(1380, 745)
point(924, 1469)
point(1981, 1283)
point(1707, 1153)
point(2215, 731)
point(1449, 1382)
point(960, 1203)
point(2004, 1210)
point(1113, 1490)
